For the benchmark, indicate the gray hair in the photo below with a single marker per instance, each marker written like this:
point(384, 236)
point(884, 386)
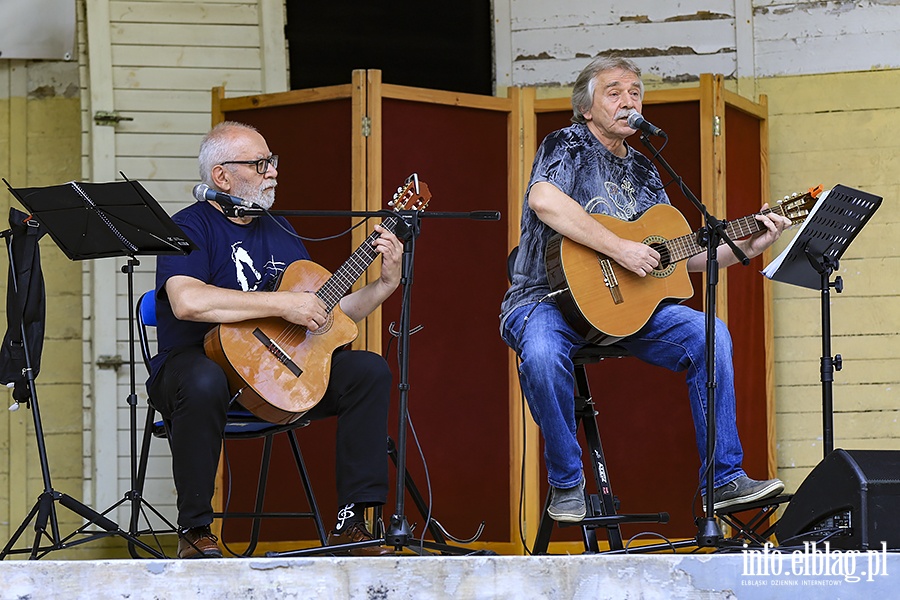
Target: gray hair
point(216, 148)
point(583, 92)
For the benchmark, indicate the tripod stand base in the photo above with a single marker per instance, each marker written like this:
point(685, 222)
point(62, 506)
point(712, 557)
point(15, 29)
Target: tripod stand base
point(413, 545)
point(44, 512)
point(752, 532)
point(399, 536)
point(708, 532)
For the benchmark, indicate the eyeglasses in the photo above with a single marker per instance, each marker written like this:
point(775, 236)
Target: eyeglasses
point(262, 165)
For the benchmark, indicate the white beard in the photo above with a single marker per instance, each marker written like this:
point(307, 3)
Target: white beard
point(263, 196)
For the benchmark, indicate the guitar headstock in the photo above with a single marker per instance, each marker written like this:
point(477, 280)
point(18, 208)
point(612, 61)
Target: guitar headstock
point(412, 195)
point(796, 207)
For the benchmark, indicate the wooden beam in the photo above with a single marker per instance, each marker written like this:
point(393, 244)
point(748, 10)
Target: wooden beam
point(287, 98)
point(522, 147)
point(448, 98)
point(366, 134)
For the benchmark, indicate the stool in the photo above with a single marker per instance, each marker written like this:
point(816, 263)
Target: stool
point(602, 506)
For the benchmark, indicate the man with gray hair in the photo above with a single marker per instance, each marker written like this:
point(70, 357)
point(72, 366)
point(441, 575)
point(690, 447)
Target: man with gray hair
point(232, 277)
point(588, 168)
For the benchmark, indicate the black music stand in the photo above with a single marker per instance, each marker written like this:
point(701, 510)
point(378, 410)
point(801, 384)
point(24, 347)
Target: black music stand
point(809, 261)
point(95, 220)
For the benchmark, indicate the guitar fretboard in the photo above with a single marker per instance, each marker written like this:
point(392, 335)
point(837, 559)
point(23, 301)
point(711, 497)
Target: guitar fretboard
point(686, 246)
point(343, 279)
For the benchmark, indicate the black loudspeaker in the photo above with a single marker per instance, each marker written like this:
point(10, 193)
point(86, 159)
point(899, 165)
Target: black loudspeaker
point(851, 499)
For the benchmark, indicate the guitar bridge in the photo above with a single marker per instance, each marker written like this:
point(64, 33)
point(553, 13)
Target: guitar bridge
point(610, 279)
point(276, 351)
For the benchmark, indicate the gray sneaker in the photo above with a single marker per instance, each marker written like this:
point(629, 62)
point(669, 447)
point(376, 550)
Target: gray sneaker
point(744, 490)
point(567, 504)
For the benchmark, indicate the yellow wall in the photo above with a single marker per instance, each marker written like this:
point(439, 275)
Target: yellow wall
point(40, 144)
point(839, 129)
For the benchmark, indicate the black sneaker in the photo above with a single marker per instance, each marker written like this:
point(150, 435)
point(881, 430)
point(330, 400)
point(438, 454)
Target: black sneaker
point(567, 504)
point(744, 490)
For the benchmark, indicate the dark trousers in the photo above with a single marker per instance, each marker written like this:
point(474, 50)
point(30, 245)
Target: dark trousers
point(191, 393)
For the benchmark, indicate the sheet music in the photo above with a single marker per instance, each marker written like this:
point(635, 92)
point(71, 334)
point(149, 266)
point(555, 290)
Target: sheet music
point(772, 268)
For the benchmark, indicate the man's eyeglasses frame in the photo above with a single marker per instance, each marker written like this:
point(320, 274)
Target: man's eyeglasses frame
point(262, 165)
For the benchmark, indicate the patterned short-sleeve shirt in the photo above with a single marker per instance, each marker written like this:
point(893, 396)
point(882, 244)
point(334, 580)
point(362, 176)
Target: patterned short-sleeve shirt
point(579, 165)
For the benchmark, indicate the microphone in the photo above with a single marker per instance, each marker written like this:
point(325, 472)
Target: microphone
point(636, 121)
point(203, 192)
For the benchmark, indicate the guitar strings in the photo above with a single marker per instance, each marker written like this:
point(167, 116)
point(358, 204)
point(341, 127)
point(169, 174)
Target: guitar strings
point(686, 246)
point(336, 286)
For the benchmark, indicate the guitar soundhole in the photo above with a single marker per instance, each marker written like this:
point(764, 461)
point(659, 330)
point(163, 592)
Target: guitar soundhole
point(666, 266)
point(325, 328)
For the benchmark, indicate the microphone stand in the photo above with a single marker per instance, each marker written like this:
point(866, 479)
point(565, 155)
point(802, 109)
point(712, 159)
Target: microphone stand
point(235, 210)
point(709, 535)
point(398, 533)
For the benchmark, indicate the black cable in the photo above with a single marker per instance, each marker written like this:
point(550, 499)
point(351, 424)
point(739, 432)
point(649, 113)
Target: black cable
point(653, 533)
point(522, 539)
point(321, 239)
point(427, 482)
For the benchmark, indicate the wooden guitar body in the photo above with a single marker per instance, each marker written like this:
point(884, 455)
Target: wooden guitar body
point(595, 306)
point(603, 301)
point(279, 369)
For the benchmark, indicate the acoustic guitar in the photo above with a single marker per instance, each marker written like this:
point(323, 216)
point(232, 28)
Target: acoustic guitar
point(279, 370)
point(602, 300)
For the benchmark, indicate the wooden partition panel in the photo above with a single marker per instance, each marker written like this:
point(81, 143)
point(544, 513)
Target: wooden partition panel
point(313, 141)
point(351, 146)
point(459, 144)
point(457, 362)
point(644, 412)
point(748, 301)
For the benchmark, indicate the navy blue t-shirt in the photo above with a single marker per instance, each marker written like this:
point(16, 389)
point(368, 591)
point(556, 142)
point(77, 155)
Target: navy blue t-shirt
point(240, 257)
point(579, 165)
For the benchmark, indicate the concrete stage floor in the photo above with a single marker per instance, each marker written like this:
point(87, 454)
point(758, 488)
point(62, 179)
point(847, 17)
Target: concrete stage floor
point(664, 576)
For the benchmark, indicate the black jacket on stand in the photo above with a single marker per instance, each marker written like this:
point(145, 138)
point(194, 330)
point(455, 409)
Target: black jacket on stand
point(25, 304)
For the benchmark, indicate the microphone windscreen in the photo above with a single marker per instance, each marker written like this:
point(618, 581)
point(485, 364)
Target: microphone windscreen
point(634, 119)
point(200, 192)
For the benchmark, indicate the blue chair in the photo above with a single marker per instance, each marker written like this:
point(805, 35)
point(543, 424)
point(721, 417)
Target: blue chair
point(240, 425)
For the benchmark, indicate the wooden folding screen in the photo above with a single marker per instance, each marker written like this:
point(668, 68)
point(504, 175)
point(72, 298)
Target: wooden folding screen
point(349, 147)
point(313, 132)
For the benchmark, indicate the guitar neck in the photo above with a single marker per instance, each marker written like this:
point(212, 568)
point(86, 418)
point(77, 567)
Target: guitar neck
point(343, 279)
point(686, 246)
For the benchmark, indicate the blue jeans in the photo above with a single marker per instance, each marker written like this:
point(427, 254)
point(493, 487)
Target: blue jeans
point(673, 338)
